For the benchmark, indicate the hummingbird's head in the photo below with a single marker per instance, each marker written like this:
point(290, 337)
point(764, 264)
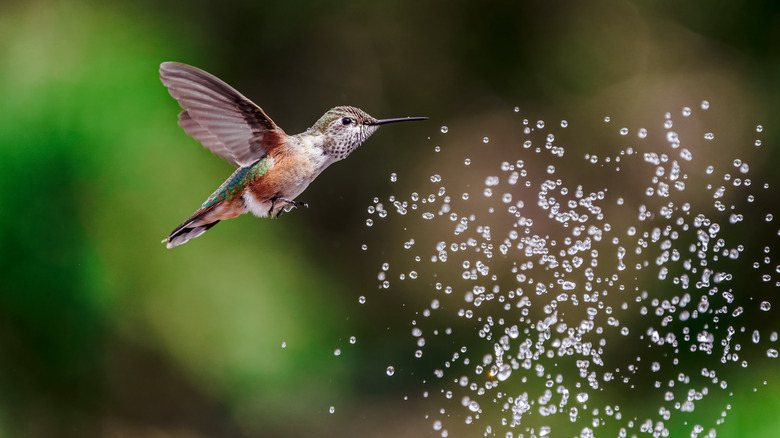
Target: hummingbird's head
point(346, 127)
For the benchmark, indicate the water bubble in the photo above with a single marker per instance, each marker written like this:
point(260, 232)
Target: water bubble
point(623, 131)
point(284, 344)
point(390, 370)
point(765, 306)
point(705, 105)
point(642, 133)
point(332, 409)
point(444, 129)
point(467, 161)
point(771, 352)
point(709, 136)
point(393, 177)
point(540, 124)
point(362, 299)
point(435, 178)
point(352, 339)
point(485, 140)
point(686, 111)
point(564, 123)
point(337, 352)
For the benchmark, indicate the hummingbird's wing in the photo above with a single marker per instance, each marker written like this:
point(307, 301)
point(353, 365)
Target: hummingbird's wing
point(218, 116)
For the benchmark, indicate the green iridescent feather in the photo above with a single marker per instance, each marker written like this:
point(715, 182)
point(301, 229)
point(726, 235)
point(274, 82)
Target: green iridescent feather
point(234, 186)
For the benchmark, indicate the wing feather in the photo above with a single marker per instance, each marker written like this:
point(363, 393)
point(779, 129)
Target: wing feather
point(218, 116)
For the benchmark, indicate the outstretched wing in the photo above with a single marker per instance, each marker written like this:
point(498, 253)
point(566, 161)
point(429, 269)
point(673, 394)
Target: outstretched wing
point(218, 116)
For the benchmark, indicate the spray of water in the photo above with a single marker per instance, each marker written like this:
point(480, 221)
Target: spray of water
point(584, 294)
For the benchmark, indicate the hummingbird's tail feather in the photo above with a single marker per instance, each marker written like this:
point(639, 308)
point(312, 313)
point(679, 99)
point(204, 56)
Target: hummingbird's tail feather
point(187, 231)
point(194, 226)
point(203, 219)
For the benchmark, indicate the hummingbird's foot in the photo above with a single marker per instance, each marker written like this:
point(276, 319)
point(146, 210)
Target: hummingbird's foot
point(287, 205)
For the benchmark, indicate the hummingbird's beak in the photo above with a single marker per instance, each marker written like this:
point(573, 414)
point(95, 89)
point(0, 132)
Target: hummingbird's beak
point(400, 119)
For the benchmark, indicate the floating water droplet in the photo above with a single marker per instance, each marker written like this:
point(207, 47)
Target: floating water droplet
point(686, 111)
point(284, 344)
point(390, 370)
point(540, 124)
point(709, 136)
point(485, 140)
point(766, 305)
point(623, 131)
point(352, 340)
point(564, 123)
point(444, 129)
point(771, 352)
point(393, 177)
point(705, 105)
point(332, 409)
point(642, 133)
point(337, 352)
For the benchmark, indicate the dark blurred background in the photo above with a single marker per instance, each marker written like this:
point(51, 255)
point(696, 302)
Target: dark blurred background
point(104, 332)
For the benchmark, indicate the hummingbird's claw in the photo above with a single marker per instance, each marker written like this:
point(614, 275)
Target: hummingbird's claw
point(288, 205)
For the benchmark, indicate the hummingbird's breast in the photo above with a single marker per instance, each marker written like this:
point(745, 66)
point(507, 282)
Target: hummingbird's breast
point(295, 166)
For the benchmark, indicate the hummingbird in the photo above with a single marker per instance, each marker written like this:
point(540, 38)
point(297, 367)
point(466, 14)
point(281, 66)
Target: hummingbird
point(273, 168)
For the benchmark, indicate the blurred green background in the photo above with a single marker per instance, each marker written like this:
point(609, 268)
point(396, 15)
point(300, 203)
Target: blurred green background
point(104, 332)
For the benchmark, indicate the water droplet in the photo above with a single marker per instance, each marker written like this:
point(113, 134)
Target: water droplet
point(284, 344)
point(540, 124)
point(771, 353)
point(709, 136)
point(337, 352)
point(393, 177)
point(352, 340)
point(564, 123)
point(485, 140)
point(705, 105)
point(444, 129)
point(517, 109)
point(765, 306)
point(435, 178)
point(369, 222)
point(623, 131)
point(467, 161)
point(390, 370)
point(642, 133)
point(606, 119)
point(686, 111)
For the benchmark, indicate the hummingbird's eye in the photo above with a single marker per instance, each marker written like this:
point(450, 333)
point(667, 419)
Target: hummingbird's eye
point(346, 121)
